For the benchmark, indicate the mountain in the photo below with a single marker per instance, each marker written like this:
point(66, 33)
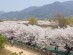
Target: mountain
point(1, 12)
point(17, 14)
point(65, 8)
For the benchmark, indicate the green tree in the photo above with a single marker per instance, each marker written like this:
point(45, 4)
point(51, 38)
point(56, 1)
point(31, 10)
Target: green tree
point(61, 20)
point(1, 20)
point(70, 21)
point(2, 41)
point(33, 21)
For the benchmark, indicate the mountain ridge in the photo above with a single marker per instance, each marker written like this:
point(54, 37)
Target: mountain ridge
point(41, 12)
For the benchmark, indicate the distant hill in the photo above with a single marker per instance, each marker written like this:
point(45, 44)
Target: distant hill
point(65, 8)
point(1, 12)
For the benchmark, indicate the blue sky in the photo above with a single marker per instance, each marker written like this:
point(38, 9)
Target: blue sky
point(16, 5)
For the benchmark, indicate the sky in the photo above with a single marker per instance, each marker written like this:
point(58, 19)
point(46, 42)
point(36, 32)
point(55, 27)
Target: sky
point(17, 5)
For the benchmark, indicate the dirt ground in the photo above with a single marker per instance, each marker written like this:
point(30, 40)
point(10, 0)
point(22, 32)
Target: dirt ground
point(17, 50)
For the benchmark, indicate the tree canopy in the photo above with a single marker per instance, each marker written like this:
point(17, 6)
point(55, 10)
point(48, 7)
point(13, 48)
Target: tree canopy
point(33, 21)
point(2, 41)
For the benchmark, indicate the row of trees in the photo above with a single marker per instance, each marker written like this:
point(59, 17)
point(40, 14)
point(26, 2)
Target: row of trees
point(61, 19)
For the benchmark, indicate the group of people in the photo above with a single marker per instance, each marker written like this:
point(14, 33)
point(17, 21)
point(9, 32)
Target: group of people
point(67, 47)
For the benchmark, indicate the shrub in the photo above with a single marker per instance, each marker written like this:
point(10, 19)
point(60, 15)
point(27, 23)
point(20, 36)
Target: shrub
point(2, 41)
point(33, 21)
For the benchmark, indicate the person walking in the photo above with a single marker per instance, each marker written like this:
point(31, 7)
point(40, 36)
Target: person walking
point(68, 49)
point(56, 47)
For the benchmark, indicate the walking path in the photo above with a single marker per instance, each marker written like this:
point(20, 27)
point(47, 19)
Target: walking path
point(17, 50)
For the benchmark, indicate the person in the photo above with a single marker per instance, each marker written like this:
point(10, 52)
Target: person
point(66, 45)
point(54, 44)
point(68, 49)
point(20, 53)
point(56, 47)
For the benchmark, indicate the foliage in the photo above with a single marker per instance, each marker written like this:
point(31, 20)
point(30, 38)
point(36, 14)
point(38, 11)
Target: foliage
point(14, 53)
point(69, 21)
point(61, 20)
point(2, 41)
point(1, 20)
point(33, 21)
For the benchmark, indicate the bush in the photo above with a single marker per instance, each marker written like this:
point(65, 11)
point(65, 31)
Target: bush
point(33, 21)
point(2, 41)
point(15, 53)
point(61, 20)
point(70, 21)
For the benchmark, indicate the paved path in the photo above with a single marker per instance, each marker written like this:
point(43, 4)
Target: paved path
point(17, 50)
